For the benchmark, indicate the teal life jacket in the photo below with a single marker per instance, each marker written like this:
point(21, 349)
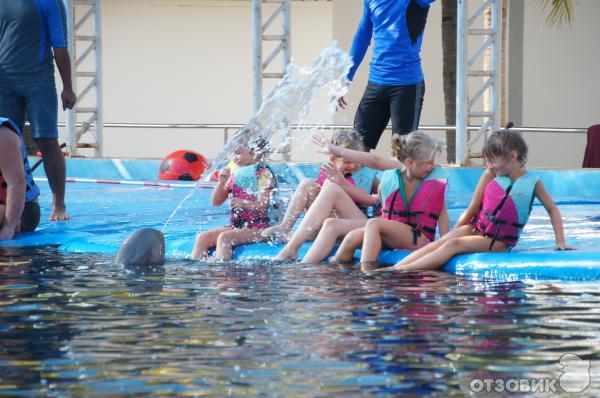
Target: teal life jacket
point(246, 187)
point(505, 208)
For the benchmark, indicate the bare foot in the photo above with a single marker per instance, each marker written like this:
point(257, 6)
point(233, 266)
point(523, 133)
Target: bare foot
point(287, 254)
point(370, 267)
point(276, 232)
point(59, 214)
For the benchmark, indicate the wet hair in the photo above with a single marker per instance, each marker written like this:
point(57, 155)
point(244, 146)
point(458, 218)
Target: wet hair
point(502, 142)
point(260, 146)
point(349, 139)
point(416, 145)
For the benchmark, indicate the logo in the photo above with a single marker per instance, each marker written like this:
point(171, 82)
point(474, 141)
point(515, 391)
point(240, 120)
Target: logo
point(574, 377)
point(575, 373)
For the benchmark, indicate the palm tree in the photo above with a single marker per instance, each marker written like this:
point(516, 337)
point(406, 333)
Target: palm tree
point(561, 12)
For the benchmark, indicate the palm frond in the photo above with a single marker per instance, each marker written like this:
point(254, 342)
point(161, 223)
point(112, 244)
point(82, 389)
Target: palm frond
point(561, 11)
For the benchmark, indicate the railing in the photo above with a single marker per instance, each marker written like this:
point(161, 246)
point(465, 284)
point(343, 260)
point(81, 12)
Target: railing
point(228, 128)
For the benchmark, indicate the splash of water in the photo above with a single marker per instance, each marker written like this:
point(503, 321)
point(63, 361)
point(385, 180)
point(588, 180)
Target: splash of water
point(288, 102)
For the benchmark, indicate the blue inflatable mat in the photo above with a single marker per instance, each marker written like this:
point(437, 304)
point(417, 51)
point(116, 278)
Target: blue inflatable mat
point(103, 215)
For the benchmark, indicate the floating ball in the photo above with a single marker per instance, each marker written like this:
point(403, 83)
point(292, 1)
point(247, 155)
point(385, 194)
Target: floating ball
point(182, 165)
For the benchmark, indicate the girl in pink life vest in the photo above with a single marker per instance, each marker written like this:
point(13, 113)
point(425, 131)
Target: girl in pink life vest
point(250, 189)
point(498, 211)
point(308, 189)
point(413, 201)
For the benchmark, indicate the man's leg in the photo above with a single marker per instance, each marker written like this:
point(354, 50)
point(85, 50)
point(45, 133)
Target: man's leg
point(406, 103)
point(372, 115)
point(42, 105)
point(54, 165)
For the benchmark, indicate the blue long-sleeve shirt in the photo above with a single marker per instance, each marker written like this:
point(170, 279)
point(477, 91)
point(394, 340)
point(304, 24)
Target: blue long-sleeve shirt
point(397, 28)
point(28, 30)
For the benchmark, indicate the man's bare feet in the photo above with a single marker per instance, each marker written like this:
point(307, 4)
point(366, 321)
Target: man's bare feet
point(59, 213)
point(278, 232)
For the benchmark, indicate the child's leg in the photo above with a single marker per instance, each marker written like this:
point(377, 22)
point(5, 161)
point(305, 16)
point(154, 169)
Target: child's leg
point(393, 234)
point(464, 230)
point(228, 239)
point(332, 229)
point(352, 241)
point(206, 240)
point(331, 197)
point(303, 197)
point(451, 247)
point(2, 214)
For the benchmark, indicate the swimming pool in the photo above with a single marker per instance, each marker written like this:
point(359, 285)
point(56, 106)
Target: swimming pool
point(74, 324)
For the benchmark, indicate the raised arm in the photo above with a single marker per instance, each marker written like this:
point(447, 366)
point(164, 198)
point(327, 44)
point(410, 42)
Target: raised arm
point(358, 195)
point(554, 213)
point(473, 208)
point(367, 159)
point(221, 192)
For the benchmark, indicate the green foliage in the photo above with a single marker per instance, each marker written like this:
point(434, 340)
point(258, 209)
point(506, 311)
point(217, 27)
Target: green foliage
point(561, 11)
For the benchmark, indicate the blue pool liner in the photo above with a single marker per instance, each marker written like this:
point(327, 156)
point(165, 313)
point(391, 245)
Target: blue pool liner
point(103, 215)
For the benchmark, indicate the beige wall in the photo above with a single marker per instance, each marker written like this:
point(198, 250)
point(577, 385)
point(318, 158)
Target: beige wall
point(187, 61)
point(560, 82)
point(190, 61)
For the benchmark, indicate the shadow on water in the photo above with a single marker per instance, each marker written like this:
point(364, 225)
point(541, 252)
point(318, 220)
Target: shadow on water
point(75, 325)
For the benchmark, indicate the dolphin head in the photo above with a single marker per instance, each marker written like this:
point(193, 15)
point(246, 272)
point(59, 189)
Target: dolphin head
point(145, 246)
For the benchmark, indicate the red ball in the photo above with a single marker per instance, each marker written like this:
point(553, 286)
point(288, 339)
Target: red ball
point(182, 165)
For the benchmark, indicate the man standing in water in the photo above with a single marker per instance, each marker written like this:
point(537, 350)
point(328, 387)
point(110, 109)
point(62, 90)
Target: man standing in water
point(396, 86)
point(32, 34)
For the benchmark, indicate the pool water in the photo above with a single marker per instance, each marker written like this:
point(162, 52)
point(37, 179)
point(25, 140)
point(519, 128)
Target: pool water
point(77, 325)
point(74, 324)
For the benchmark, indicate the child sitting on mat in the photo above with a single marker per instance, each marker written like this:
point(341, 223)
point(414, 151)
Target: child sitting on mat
point(251, 188)
point(498, 211)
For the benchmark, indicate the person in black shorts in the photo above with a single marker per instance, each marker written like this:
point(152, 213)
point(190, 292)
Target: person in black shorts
point(396, 85)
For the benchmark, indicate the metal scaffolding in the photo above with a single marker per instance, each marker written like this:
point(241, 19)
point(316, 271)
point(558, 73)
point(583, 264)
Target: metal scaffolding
point(85, 119)
point(476, 75)
point(281, 40)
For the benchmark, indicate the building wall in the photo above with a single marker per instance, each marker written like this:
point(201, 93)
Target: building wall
point(187, 61)
point(560, 82)
point(190, 61)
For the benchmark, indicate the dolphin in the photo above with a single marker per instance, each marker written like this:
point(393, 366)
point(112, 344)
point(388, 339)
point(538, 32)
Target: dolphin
point(145, 246)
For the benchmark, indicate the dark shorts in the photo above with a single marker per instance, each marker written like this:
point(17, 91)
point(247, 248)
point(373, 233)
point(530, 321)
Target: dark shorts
point(379, 104)
point(37, 100)
point(30, 217)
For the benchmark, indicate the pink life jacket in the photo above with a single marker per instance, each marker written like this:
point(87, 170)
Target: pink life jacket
point(245, 186)
point(505, 208)
point(422, 211)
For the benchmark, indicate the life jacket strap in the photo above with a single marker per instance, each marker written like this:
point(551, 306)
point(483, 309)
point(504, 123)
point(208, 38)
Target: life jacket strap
point(494, 220)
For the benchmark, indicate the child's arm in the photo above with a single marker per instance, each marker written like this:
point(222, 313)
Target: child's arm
point(221, 192)
point(554, 213)
point(473, 208)
point(444, 222)
point(357, 194)
point(367, 159)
